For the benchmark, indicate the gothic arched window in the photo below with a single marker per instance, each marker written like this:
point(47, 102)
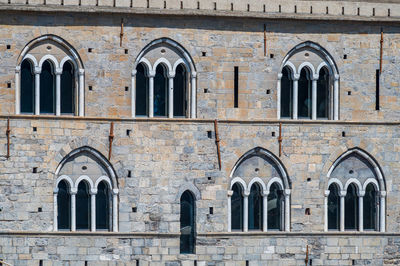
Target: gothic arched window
point(370, 204)
point(68, 89)
point(304, 94)
point(47, 88)
point(351, 208)
point(286, 93)
point(275, 208)
point(237, 207)
point(333, 208)
point(83, 210)
point(103, 206)
point(180, 103)
point(187, 223)
point(323, 94)
point(142, 91)
point(27, 87)
point(63, 206)
point(255, 208)
point(160, 91)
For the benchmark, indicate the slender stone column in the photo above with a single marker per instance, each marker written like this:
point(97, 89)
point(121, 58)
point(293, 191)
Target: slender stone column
point(115, 209)
point(382, 208)
point(314, 97)
point(361, 211)
point(171, 95)
point(133, 93)
point(55, 210)
point(229, 207)
point(73, 209)
point(193, 91)
point(265, 211)
point(246, 211)
point(295, 94)
point(17, 90)
point(151, 94)
point(278, 96)
point(327, 192)
point(342, 195)
point(287, 192)
point(81, 103)
point(336, 98)
point(93, 193)
point(58, 91)
point(37, 71)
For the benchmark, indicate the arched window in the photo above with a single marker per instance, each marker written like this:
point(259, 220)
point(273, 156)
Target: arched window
point(333, 208)
point(323, 94)
point(103, 206)
point(142, 91)
point(275, 208)
point(27, 87)
point(188, 224)
point(237, 207)
point(68, 89)
point(304, 94)
point(255, 208)
point(351, 208)
point(83, 210)
point(286, 93)
point(47, 93)
point(370, 208)
point(64, 206)
point(179, 91)
point(160, 91)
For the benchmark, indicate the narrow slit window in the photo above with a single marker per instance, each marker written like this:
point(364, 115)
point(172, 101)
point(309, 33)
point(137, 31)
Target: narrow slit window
point(187, 223)
point(236, 87)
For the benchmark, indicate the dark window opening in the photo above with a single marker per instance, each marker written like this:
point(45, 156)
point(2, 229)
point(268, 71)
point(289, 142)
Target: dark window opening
point(180, 91)
point(47, 94)
point(103, 206)
point(83, 209)
point(188, 224)
point(275, 208)
point(351, 208)
point(304, 94)
point(323, 94)
point(236, 87)
point(237, 207)
point(333, 208)
point(286, 94)
point(141, 91)
point(27, 102)
point(63, 206)
point(160, 91)
point(68, 89)
point(255, 208)
point(370, 208)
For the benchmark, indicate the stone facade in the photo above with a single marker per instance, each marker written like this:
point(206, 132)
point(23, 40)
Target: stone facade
point(156, 159)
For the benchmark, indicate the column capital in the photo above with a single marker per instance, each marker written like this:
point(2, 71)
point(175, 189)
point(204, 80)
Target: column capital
point(315, 77)
point(81, 71)
point(361, 193)
point(382, 193)
point(93, 191)
point(327, 192)
point(17, 69)
point(265, 193)
point(287, 192)
point(115, 191)
point(230, 193)
point(193, 74)
point(134, 73)
point(37, 70)
point(171, 75)
point(55, 190)
point(280, 76)
point(246, 193)
point(58, 71)
point(152, 74)
point(336, 76)
point(296, 77)
point(73, 191)
point(343, 193)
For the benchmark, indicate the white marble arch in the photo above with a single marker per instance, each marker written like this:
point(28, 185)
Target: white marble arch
point(187, 61)
point(111, 181)
point(72, 55)
point(379, 184)
point(327, 61)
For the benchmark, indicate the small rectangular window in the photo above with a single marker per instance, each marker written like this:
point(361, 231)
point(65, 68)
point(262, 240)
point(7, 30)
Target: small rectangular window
point(236, 87)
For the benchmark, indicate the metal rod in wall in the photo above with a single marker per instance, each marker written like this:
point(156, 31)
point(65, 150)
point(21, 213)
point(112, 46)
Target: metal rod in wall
point(110, 140)
point(217, 142)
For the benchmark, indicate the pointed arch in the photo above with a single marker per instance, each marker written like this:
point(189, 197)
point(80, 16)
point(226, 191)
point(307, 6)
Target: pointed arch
point(188, 187)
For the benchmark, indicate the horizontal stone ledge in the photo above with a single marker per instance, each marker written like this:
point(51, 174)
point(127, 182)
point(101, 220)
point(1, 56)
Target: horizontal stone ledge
point(89, 234)
point(297, 234)
point(198, 120)
point(192, 12)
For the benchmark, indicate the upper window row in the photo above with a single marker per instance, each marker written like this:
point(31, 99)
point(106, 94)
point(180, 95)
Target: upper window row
point(50, 80)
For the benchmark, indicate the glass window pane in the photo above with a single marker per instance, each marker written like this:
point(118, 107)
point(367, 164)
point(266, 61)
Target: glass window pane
point(27, 87)
point(333, 208)
point(304, 95)
point(370, 208)
point(160, 92)
point(323, 93)
point(255, 208)
point(47, 89)
point(68, 89)
point(237, 207)
point(63, 206)
point(286, 93)
point(180, 91)
point(351, 208)
point(275, 208)
point(141, 90)
point(83, 206)
point(187, 220)
point(103, 206)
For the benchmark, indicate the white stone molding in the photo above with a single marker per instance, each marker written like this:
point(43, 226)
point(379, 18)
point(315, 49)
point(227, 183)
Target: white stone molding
point(85, 178)
point(309, 66)
point(295, 99)
point(353, 181)
point(165, 62)
point(52, 59)
point(258, 181)
point(278, 96)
